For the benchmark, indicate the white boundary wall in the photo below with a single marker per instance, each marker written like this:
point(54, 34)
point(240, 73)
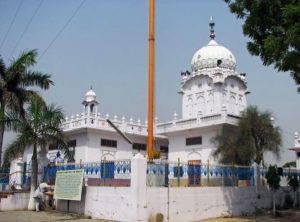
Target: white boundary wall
point(17, 201)
point(103, 203)
point(139, 202)
point(192, 204)
point(185, 204)
point(115, 203)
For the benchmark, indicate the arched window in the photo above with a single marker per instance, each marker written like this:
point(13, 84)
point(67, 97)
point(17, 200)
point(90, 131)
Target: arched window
point(241, 105)
point(201, 104)
point(92, 108)
point(210, 103)
point(232, 105)
point(190, 107)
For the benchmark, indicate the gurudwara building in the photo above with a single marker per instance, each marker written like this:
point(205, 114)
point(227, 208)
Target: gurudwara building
point(119, 183)
point(213, 97)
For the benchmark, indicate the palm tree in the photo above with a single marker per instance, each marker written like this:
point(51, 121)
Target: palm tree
point(229, 149)
point(15, 80)
point(254, 135)
point(263, 135)
point(39, 127)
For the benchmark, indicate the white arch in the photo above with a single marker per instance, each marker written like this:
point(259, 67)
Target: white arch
point(190, 107)
point(108, 156)
point(194, 155)
point(210, 103)
point(232, 104)
point(201, 104)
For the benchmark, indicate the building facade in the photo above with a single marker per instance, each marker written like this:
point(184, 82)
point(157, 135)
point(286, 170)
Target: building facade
point(296, 148)
point(213, 97)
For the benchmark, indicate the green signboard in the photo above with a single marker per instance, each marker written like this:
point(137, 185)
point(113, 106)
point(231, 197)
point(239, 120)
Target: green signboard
point(68, 184)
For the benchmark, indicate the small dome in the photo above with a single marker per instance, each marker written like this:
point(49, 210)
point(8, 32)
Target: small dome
point(213, 55)
point(90, 96)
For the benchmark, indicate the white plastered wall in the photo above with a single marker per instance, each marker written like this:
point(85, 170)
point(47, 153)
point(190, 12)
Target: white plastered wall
point(179, 149)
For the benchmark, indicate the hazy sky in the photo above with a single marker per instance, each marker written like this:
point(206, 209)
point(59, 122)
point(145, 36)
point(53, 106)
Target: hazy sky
point(105, 45)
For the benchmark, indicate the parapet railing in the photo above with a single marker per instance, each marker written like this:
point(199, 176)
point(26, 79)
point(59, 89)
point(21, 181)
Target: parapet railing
point(200, 121)
point(16, 181)
point(284, 173)
point(97, 121)
point(191, 174)
point(105, 172)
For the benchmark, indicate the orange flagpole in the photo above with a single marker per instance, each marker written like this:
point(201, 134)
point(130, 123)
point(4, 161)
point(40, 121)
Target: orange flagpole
point(151, 80)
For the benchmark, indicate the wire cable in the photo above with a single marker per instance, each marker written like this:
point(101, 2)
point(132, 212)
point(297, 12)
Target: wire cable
point(11, 24)
point(27, 26)
point(62, 29)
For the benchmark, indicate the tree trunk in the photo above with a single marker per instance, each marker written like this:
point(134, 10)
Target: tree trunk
point(34, 174)
point(295, 199)
point(274, 204)
point(1, 140)
point(2, 128)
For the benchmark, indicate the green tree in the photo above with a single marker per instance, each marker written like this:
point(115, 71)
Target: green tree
point(39, 126)
point(273, 180)
point(16, 81)
point(289, 164)
point(274, 29)
point(293, 182)
point(254, 135)
point(229, 151)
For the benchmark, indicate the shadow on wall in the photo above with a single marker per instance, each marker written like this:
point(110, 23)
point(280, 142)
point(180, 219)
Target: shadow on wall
point(247, 200)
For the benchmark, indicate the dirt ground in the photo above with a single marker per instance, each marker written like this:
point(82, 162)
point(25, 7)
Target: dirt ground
point(262, 218)
point(43, 216)
point(292, 215)
point(49, 216)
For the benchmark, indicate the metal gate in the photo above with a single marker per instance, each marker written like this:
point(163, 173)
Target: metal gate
point(194, 172)
point(107, 169)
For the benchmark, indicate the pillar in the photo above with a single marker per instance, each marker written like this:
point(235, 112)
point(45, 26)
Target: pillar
point(16, 172)
point(138, 187)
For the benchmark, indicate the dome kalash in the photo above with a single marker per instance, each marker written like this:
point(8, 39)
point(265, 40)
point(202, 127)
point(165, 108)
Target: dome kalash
point(213, 55)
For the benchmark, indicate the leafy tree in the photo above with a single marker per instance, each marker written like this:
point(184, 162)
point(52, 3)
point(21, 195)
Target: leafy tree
point(254, 135)
point(289, 164)
point(39, 126)
point(293, 182)
point(15, 80)
point(273, 180)
point(229, 150)
point(274, 29)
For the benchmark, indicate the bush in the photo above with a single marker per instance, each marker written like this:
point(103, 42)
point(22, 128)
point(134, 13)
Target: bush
point(288, 202)
point(273, 178)
point(293, 182)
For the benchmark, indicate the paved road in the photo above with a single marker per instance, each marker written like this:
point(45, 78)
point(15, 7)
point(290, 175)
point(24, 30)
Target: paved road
point(32, 216)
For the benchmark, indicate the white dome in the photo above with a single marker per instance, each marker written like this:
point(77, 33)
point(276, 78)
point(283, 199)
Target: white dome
point(90, 96)
point(213, 55)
